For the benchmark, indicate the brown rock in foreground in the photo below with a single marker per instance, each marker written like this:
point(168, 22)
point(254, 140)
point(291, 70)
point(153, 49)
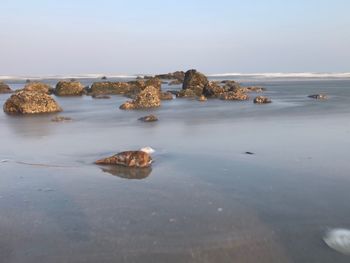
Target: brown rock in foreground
point(38, 87)
point(148, 98)
point(262, 100)
point(29, 102)
point(195, 81)
point(149, 118)
point(4, 88)
point(69, 88)
point(318, 96)
point(138, 159)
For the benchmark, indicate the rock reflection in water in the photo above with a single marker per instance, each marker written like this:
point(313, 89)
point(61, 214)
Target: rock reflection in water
point(127, 172)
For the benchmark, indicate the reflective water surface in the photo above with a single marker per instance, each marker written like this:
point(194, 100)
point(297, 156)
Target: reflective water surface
point(203, 200)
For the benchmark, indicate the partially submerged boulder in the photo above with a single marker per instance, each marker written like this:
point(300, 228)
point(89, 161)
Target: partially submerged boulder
point(139, 159)
point(4, 88)
point(195, 81)
point(166, 95)
point(213, 90)
point(231, 95)
point(100, 96)
point(149, 118)
point(29, 102)
point(69, 88)
point(38, 87)
point(318, 96)
point(110, 88)
point(148, 98)
point(262, 100)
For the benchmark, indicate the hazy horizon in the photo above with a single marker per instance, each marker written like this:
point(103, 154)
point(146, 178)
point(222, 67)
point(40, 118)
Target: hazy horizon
point(137, 37)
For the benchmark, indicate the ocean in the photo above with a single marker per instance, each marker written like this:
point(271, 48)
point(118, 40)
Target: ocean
point(204, 199)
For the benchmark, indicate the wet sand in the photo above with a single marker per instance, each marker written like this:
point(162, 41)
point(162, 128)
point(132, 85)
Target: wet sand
point(203, 200)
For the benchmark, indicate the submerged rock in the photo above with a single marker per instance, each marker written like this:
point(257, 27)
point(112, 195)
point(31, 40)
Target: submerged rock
point(61, 119)
point(100, 96)
point(69, 88)
point(262, 100)
point(137, 159)
point(166, 96)
point(177, 75)
point(194, 81)
point(149, 118)
point(38, 87)
point(29, 102)
point(110, 88)
point(148, 98)
point(4, 88)
point(231, 95)
point(318, 96)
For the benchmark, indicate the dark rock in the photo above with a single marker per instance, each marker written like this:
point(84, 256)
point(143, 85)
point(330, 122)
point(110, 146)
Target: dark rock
point(4, 88)
point(249, 153)
point(149, 118)
point(177, 75)
point(38, 87)
point(61, 119)
point(100, 96)
point(29, 102)
point(318, 96)
point(148, 98)
point(69, 88)
point(213, 90)
point(104, 78)
point(128, 159)
point(262, 100)
point(195, 81)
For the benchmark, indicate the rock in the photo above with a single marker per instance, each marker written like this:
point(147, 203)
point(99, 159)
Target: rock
point(110, 88)
point(213, 90)
point(177, 75)
point(318, 96)
point(231, 85)
point(202, 98)
point(231, 95)
point(148, 98)
point(149, 118)
point(155, 82)
point(61, 119)
point(69, 88)
point(29, 102)
point(104, 78)
point(262, 100)
point(166, 96)
point(4, 88)
point(139, 85)
point(195, 81)
point(138, 159)
point(255, 89)
point(175, 82)
point(98, 96)
point(38, 87)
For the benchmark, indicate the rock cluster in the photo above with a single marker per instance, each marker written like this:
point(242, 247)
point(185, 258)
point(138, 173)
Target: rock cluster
point(30, 102)
point(69, 88)
point(195, 81)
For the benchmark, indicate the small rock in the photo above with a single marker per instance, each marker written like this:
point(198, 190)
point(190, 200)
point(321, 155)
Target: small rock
point(100, 96)
point(148, 98)
point(4, 88)
point(232, 95)
point(318, 96)
point(69, 88)
point(166, 96)
point(149, 118)
point(138, 159)
point(61, 119)
point(202, 98)
point(262, 100)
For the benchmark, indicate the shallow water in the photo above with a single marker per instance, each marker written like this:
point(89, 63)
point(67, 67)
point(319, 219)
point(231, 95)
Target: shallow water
point(204, 199)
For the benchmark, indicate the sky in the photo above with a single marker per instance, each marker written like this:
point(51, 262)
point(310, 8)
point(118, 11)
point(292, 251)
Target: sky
point(49, 37)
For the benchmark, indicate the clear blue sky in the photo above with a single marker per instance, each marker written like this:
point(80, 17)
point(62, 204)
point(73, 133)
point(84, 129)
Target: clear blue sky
point(130, 36)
